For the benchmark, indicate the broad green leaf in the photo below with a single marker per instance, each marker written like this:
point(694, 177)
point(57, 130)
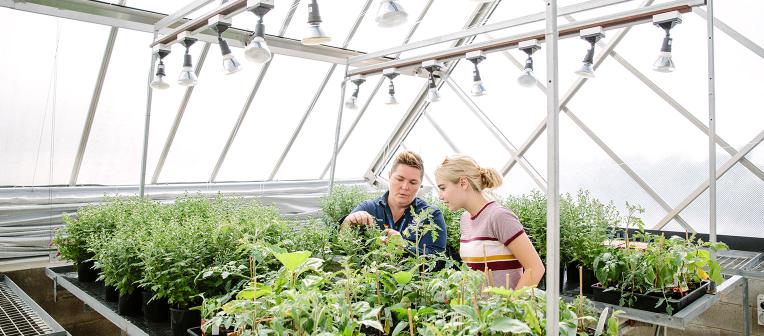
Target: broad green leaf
point(373, 324)
point(292, 260)
point(506, 324)
point(399, 327)
point(403, 277)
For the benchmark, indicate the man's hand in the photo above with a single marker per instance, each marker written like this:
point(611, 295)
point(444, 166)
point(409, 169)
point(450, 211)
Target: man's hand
point(359, 218)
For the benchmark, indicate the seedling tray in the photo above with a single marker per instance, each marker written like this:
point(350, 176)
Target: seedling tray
point(649, 302)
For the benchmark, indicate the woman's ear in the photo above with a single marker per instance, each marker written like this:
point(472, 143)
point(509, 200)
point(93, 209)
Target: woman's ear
point(463, 183)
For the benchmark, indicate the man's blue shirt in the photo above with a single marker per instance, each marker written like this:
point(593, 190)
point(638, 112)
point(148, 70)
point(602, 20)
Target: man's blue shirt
point(380, 210)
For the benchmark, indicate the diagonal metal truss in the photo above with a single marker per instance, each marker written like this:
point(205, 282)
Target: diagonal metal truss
point(568, 95)
point(381, 80)
point(95, 98)
point(496, 132)
point(179, 116)
point(479, 17)
point(320, 90)
point(251, 97)
point(705, 185)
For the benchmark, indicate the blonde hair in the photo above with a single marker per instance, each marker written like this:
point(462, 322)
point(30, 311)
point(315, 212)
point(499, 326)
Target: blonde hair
point(457, 166)
point(411, 159)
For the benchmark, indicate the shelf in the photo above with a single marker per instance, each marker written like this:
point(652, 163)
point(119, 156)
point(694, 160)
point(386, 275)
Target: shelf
point(681, 319)
point(91, 294)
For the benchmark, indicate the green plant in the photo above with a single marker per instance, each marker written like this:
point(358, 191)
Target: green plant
point(341, 201)
point(452, 219)
point(663, 266)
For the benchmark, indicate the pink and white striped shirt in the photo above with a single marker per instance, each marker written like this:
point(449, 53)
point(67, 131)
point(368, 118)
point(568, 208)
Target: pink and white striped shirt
point(484, 242)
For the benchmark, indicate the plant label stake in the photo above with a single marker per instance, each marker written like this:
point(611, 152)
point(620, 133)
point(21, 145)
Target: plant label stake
point(411, 323)
point(580, 294)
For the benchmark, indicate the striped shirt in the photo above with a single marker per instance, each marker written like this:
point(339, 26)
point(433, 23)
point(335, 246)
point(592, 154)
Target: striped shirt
point(484, 242)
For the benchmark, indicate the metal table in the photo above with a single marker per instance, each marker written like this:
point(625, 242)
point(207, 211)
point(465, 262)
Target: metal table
point(91, 294)
point(20, 315)
point(681, 319)
point(749, 265)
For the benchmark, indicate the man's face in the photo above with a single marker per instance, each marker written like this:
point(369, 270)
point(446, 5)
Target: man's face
point(404, 185)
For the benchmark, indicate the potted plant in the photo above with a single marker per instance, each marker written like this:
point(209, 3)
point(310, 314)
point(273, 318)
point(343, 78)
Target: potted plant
point(667, 274)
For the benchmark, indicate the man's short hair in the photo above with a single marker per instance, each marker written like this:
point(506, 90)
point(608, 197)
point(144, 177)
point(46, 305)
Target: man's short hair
point(411, 159)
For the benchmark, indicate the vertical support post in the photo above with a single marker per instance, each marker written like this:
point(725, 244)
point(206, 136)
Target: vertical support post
point(337, 129)
point(746, 309)
point(144, 155)
point(711, 123)
point(553, 173)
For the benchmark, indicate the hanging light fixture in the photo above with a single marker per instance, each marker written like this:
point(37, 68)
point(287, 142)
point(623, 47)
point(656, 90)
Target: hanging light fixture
point(477, 83)
point(220, 24)
point(257, 50)
point(391, 14)
point(391, 73)
point(314, 35)
point(432, 92)
point(187, 75)
point(529, 47)
point(664, 63)
point(158, 83)
point(591, 35)
point(357, 80)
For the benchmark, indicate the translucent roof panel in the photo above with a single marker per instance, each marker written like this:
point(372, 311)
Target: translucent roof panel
point(315, 143)
point(441, 19)
point(46, 91)
point(275, 112)
point(212, 111)
point(371, 37)
point(113, 154)
point(376, 125)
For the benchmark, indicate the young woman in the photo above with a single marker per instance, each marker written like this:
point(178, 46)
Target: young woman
point(491, 235)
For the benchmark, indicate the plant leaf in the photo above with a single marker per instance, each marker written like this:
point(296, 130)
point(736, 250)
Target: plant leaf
point(292, 260)
point(506, 324)
point(403, 277)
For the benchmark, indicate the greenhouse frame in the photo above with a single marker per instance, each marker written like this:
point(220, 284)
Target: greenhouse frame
point(307, 118)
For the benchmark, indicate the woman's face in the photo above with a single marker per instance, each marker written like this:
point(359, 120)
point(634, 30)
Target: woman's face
point(452, 194)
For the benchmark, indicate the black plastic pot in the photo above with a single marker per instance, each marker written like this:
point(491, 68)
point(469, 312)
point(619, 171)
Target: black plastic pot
point(156, 310)
point(648, 302)
point(86, 272)
point(573, 282)
point(110, 293)
point(182, 319)
point(129, 304)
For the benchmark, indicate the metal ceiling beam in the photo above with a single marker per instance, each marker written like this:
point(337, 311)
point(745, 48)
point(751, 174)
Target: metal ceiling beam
point(608, 22)
point(365, 106)
point(496, 132)
point(180, 14)
point(703, 186)
point(251, 97)
point(441, 132)
point(568, 95)
point(320, 90)
point(179, 116)
point(94, 99)
point(579, 7)
point(740, 38)
point(479, 17)
point(142, 20)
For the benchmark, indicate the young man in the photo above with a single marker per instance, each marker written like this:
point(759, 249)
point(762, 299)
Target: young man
point(394, 207)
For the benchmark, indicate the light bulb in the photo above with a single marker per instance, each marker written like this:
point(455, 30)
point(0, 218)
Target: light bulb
point(230, 64)
point(159, 83)
point(478, 89)
point(391, 14)
point(586, 71)
point(350, 103)
point(391, 100)
point(187, 76)
point(257, 51)
point(433, 95)
point(664, 63)
point(526, 79)
point(314, 35)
